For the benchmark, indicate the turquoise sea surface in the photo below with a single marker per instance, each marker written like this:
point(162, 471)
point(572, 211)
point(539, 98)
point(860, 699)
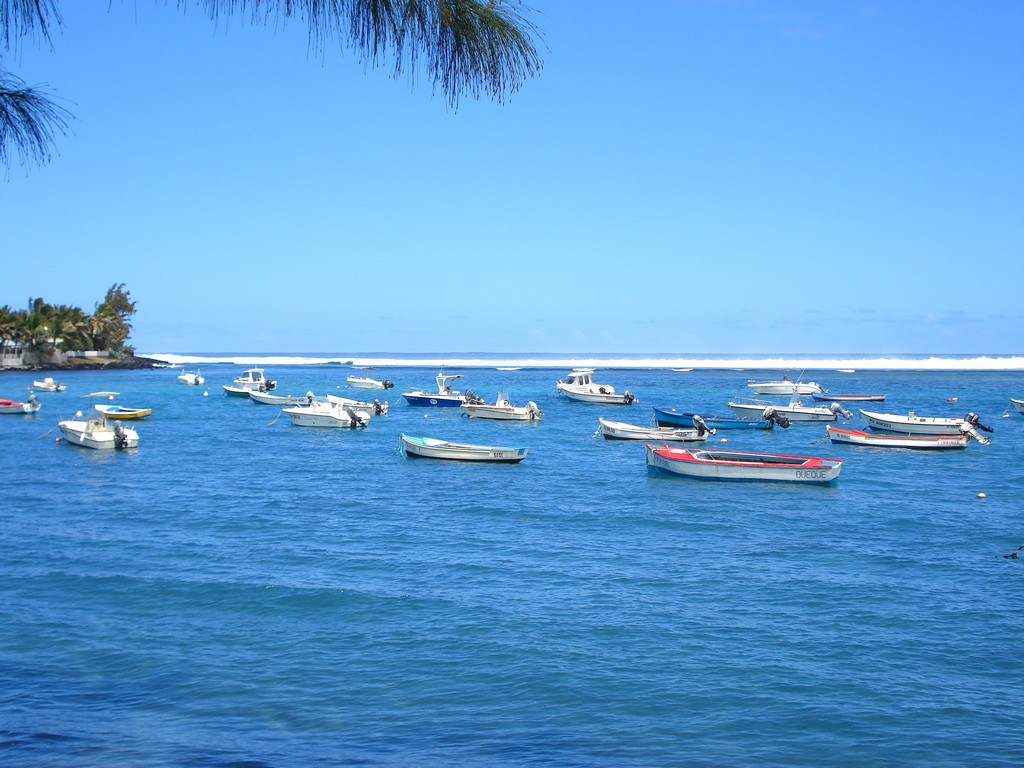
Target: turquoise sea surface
point(238, 591)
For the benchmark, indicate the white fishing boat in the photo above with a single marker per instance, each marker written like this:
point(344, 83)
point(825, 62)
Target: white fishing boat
point(192, 378)
point(1017, 404)
point(364, 382)
point(282, 401)
point(444, 397)
point(502, 409)
point(579, 385)
point(795, 412)
point(251, 380)
point(431, 448)
point(49, 385)
point(618, 430)
point(326, 414)
point(377, 408)
point(703, 464)
point(912, 424)
point(784, 387)
point(30, 405)
point(96, 431)
point(890, 440)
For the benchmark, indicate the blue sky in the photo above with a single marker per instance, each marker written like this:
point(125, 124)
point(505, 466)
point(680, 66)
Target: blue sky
point(704, 176)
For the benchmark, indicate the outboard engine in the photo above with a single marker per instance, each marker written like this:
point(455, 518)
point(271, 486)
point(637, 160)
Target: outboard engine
point(379, 408)
point(357, 420)
point(772, 416)
point(969, 429)
point(972, 419)
point(309, 398)
point(701, 426)
point(120, 437)
point(535, 412)
point(629, 397)
point(473, 398)
point(271, 385)
point(837, 410)
point(388, 384)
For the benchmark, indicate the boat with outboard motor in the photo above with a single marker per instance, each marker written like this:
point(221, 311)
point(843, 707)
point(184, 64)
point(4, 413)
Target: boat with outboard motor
point(432, 448)
point(444, 397)
point(706, 464)
point(502, 410)
point(891, 440)
point(579, 385)
point(912, 424)
point(96, 431)
point(251, 380)
point(795, 412)
point(282, 401)
point(30, 405)
point(618, 430)
point(784, 387)
point(767, 419)
point(192, 378)
point(377, 408)
point(323, 413)
point(49, 385)
point(365, 382)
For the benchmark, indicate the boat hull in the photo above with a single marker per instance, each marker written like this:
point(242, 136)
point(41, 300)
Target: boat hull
point(673, 418)
point(357, 382)
point(279, 400)
point(827, 398)
point(422, 399)
point(794, 414)
point(500, 412)
point(119, 412)
point(738, 466)
point(326, 415)
point(784, 387)
point(603, 398)
point(617, 430)
point(887, 440)
point(10, 406)
point(912, 424)
point(1018, 404)
point(98, 437)
point(430, 448)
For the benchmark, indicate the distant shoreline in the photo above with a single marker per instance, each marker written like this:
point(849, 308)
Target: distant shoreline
point(130, 363)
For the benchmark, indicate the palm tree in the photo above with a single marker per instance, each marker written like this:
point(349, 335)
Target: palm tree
point(467, 48)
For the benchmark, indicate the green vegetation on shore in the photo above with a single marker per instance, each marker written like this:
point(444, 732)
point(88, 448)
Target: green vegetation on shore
point(43, 328)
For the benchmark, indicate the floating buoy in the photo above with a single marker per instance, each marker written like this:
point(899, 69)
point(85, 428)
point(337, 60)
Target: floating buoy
point(57, 440)
point(206, 394)
point(982, 495)
point(426, 415)
point(724, 440)
point(952, 399)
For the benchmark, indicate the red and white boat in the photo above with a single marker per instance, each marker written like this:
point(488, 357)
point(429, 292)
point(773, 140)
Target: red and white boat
point(13, 406)
point(890, 440)
point(739, 465)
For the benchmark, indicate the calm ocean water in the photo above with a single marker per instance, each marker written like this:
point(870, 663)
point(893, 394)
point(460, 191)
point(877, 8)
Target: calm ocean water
point(241, 592)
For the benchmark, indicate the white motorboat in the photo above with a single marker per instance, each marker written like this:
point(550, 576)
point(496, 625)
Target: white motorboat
point(617, 430)
point(503, 410)
point(192, 378)
point(364, 382)
point(49, 385)
point(912, 424)
point(579, 385)
point(784, 387)
point(795, 412)
point(95, 431)
point(377, 408)
point(251, 380)
point(326, 414)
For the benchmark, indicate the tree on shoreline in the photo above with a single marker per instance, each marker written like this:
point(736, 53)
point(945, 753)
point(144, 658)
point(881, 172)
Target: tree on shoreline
point(465, 47)
point(43, 329)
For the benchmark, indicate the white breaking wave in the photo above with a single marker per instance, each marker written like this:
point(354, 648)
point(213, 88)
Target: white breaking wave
point(778, 362)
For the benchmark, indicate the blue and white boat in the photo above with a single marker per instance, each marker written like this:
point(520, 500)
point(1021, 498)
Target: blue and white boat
point(445, 395)
point(670, 417)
